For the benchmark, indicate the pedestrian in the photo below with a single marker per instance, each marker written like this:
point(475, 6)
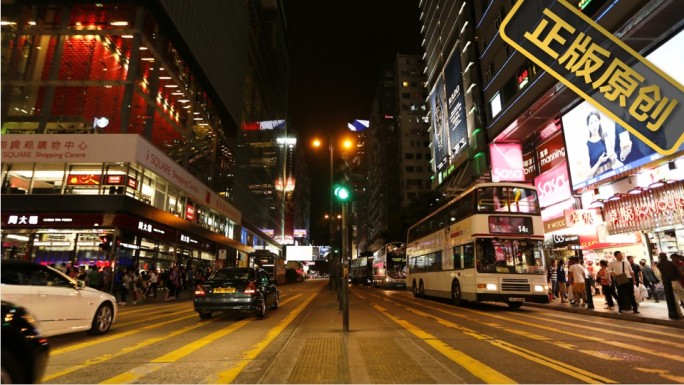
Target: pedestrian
point(138, 287)
point(638, 278)
point(622, 274)
point(670, 276)
point(604, 279)
point(107, 279)
point(123, 288)
point(650, 279)
point(154, 282)
point(562, 280)
point(589, 285)
point(93, 278)
point(552, 278)
point(172, 284)
point(577, 272)
point(678, 287)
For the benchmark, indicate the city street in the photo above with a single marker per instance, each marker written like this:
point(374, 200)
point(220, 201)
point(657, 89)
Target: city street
point(393, 338)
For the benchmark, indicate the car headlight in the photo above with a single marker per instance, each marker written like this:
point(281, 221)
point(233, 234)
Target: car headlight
point(541, 288)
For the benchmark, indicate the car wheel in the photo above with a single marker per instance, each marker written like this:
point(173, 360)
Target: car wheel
point(102, 321)
point(11, 371)
point(261, 310)
point(276, 301)
point(205, 315)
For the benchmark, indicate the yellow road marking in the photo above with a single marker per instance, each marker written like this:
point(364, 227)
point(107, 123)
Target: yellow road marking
point(572, 371)
point(107, 357)
point(111, 337)
point(475, 367)
point(604, 341)
point(227, 376)
point(173, 356)
point(664, 374)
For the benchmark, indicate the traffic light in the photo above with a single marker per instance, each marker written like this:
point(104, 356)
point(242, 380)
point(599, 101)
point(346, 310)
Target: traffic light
point(105, 241)
point(342, 193)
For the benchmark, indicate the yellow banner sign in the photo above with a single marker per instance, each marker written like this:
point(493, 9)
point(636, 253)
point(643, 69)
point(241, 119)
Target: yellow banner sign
point(601, 69)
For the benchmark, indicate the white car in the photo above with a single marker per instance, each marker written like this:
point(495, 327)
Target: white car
point(59, 304)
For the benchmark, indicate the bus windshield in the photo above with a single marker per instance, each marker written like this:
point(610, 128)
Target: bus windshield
point(396, 263)
point(507, 199)
point(513, 256)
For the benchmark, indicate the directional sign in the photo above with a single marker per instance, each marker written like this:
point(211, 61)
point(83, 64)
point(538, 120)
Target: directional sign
point(600, 68)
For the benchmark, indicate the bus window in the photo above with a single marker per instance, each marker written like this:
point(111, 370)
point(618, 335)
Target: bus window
point(456, 253)
point(468, 256)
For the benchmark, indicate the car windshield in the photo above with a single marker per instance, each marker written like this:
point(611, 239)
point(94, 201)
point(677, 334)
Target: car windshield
point(510, 256)
point(234, 274)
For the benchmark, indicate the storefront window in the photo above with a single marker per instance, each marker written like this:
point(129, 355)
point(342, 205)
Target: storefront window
point(84, 179)
point(17, 178)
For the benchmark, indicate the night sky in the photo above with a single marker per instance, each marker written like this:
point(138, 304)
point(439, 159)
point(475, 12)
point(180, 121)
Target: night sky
point(338, 50)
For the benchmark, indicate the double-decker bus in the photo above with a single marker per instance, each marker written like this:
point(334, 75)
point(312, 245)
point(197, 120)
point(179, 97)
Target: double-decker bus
point(484, 245)
point(361, 269)
point(389, 265)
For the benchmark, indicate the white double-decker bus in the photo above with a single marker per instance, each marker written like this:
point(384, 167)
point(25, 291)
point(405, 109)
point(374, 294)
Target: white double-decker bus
point(389, 265)
point(484, 245)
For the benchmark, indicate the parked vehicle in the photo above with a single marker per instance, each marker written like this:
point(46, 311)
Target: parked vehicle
point(236, 289)
point(60, 304)
point(24, 350)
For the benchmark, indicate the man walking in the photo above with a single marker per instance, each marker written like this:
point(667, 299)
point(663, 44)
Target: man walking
point(625, 290)
point(670, 274)
point(650, 280)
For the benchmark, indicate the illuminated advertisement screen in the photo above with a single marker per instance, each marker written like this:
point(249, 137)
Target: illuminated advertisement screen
point(439, 127)
point(598, 149)
point(510, 225)
point(507, 162)
point(456, 120)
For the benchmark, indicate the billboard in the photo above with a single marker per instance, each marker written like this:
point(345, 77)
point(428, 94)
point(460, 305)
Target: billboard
point(507, 162)
point(553, 186)
point(623, 150)
point(456, 119)
point(640, 95)
point(439, 127)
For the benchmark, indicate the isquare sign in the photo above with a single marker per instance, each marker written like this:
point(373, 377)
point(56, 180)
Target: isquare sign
point(601, 69)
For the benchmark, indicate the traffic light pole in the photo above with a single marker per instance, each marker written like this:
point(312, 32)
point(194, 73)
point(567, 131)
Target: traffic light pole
point(345, 270)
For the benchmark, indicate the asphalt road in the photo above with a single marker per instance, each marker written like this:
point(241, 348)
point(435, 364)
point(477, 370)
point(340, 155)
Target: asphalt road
point(395, 338)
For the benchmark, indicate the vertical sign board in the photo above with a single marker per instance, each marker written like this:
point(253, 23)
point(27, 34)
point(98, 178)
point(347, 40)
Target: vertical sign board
point(456, 120)
point(440, 132)
point(600, 68)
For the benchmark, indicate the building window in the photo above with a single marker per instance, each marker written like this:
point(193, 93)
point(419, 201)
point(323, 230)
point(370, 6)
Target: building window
point(488, 73)
point(408, 155)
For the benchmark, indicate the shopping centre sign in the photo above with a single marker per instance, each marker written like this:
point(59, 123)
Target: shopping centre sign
point(600, 68)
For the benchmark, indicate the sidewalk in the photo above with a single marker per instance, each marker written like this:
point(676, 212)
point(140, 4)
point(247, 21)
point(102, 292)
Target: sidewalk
point(649, 311)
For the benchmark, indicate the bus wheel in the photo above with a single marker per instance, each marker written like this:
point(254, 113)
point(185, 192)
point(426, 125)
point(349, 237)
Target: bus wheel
point(414, 289)
point(514, 305)
point(421, 289)
point(456, 293)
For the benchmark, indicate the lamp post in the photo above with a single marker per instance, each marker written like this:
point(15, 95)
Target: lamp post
point(346, 144)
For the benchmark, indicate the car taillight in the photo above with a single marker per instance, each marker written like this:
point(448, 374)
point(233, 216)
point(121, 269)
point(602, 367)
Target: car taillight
point(199, 292)
point(251, 288)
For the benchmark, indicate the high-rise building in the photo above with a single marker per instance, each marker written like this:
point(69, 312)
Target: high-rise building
point(172, 83)
point(397, 153)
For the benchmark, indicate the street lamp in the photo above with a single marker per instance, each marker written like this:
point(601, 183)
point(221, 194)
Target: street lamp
point(346, 144)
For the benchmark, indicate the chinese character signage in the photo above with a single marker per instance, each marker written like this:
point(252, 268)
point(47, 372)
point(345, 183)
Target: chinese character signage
point(657, 207)
point(603, 70)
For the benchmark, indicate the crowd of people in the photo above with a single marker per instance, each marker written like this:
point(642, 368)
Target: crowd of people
point(140, 286)
point(623, 282)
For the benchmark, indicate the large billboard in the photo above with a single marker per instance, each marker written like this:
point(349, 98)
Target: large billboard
point(641, 95)
point(599, 148)
point(456, 119)
point(439, 126)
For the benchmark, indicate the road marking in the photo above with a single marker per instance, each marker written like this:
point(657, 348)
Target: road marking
point(173, 356)
point(603, 341)
point(146, 343)
point(664, 374)
point(112, 337)
point(228, 376)
point(530, 355)
point(477, 368)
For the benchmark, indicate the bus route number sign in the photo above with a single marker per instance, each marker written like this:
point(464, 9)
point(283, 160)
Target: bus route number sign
point(510, 225)
point(600, 68)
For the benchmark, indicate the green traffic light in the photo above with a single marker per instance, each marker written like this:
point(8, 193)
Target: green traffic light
point(342, 193)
